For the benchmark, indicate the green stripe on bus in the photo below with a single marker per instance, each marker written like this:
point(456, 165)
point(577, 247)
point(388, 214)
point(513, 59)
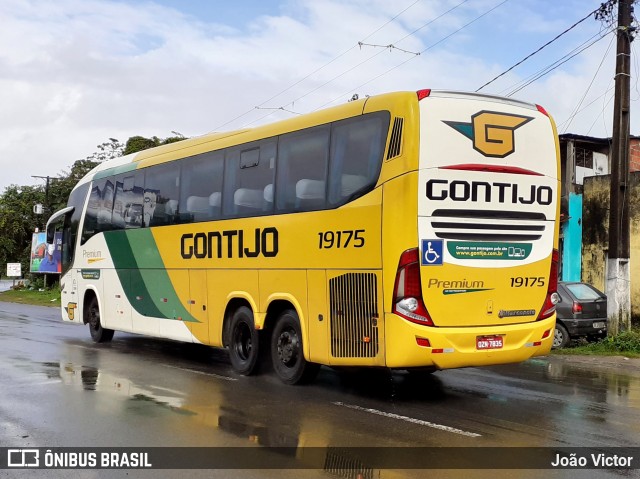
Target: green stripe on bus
point(115, 171)
point(145, 280)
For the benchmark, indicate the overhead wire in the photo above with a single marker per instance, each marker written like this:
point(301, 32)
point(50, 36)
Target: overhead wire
point(557, 64)
point(575, 111)
point(560, 124)
point(413, 57)
point(523, 84)
point(318, 69)
point(373, 56)
point(551, 65)
point(539, 49)
point(604, 107)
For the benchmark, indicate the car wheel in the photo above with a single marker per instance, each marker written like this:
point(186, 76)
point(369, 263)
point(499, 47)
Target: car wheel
point(560, 337)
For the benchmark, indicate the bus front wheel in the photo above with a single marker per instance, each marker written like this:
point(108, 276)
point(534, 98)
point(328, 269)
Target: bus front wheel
point(286, 351)
point(92, 316)
point(243, 342)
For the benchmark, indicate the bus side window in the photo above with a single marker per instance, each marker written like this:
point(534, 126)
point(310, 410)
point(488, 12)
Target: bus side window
point(357, 147)
point(161, 195)
point(90, 226)
point(71, 224)
point(201, 187)
point(303, 158)
point(128, 204)
point(106, 206)
point(249, 171)
point(99, 215)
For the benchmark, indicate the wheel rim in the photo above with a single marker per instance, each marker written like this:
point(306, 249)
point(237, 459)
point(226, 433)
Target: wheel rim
point(288, 345)
point(242, 343)
point(558, 337)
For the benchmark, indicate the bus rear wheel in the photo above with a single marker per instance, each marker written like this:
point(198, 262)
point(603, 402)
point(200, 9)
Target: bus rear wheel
point(92, 317)
point(243, 342)
point(286, 351)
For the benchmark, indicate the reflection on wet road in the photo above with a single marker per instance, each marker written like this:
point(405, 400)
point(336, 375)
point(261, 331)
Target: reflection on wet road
point(58, 388)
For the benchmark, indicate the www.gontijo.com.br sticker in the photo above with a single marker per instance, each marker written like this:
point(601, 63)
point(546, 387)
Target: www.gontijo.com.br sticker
point(503, 251)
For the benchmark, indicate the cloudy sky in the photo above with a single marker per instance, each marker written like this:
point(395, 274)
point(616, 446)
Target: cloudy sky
point(74, 73)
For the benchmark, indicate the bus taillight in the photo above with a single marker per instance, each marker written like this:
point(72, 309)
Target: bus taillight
point(407, 293)
point(542, 110)
point(423, 94)
point(549, 306)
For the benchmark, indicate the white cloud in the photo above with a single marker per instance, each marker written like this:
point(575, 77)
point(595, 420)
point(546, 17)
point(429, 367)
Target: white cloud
point(76, 72)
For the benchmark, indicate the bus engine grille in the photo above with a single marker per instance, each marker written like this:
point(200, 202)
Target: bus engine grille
point(488, 225)
point(354, 315)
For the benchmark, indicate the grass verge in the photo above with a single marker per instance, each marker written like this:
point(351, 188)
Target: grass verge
point(47, 297)
point(624, 344)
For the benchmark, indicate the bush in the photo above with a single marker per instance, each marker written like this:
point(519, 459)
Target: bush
point(37, 282)
point(626, 343)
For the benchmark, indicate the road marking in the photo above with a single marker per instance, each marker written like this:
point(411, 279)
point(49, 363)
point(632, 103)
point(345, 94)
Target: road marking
point(420, 422)
point(226, 378)
point(45, 383)
point(41, 383)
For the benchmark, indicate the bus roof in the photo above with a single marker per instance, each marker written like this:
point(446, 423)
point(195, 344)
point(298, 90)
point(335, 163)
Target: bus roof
point(218, 140)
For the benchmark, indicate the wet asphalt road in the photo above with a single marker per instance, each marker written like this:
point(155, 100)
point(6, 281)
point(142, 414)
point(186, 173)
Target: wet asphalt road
point(58, 388)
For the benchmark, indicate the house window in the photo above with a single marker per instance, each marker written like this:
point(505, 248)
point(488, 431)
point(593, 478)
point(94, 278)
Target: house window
point(584, 158)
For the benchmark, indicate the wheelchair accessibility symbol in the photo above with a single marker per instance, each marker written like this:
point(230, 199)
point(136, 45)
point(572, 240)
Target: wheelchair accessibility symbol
point(432, 252)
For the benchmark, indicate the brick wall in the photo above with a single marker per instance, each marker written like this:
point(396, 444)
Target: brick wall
point(634, 155)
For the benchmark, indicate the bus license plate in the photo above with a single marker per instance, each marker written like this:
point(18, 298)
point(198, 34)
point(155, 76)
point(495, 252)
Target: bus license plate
point(489, 342)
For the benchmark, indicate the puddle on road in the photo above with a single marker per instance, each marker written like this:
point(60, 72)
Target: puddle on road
point(612, 384)
point(92, 379)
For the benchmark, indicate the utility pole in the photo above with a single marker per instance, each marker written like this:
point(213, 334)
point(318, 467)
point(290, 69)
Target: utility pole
point(618, 281)
point(47, 206)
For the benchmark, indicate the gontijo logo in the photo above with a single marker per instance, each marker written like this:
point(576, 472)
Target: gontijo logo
point(491, 132)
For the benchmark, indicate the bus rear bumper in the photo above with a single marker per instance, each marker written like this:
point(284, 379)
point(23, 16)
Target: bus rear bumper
point(458, 347)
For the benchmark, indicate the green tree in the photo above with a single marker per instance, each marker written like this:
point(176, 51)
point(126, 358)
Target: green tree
point(17, 223)
point(17, 218)
point(139, 143)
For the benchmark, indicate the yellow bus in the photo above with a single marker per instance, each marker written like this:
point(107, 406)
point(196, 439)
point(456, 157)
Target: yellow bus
point(409, 230)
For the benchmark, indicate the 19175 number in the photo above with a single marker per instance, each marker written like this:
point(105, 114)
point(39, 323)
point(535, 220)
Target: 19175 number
point(341, 239)
point(527, 281)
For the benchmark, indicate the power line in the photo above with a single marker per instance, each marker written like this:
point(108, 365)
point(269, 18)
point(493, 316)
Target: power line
point(318, 69)
point(557, 64)
point(533, 75)
point(378, 53)
point(419, 28)
point(575, 111)
point(389, 47)
point(561, 124)
point(539, 49)
point(421, 53)
point(601, 114)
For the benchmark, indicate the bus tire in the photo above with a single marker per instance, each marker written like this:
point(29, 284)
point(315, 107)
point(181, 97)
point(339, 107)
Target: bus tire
point(243, 342)
point(287, 354)
point(92, 316)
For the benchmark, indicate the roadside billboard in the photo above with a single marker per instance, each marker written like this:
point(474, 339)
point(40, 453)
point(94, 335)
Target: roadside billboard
point(45, 258)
